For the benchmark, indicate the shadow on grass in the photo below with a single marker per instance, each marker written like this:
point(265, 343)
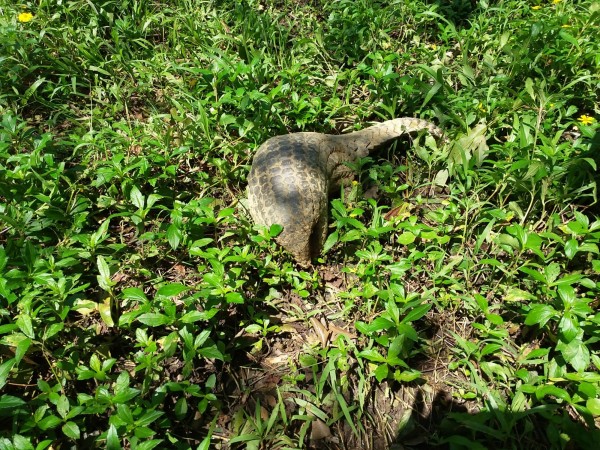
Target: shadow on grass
point(445, 423)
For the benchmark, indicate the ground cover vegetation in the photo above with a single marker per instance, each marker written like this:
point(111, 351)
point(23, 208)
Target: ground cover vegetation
point(455, 304)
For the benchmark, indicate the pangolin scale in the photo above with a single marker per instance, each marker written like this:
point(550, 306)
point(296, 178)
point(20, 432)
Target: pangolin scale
point(293, 175)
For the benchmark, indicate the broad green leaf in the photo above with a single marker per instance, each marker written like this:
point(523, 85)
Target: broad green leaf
point(395, 348)
point(331, 240)
point(275, 230)
point(552, 272)
point(529, 88)
point(5, 369)
point(85, 374)
point(148, 418)
point(195, 316)
point(506, 239)
point(575, 353)
point(587, 390)
point(104, 309)
point(519, 403)
point(3, 257)
point(234, 297)
point(135, 294)
point(112, 439)
point(569, 279)
point(372, 355)
point(104, 280)
point(198, 244)
point(406, 376)
point(393, 311)
point(381, 372)
point(20, 443)
point(408, 331)
point(417, 312)
point(107, 364)
point(517, 295)
point(307, 361)
point(103, 267)
point(352, 235)
point(53, 330)
point(205, 444)
point(21, 350)
point(582, 219)
point(534, 274)
point(149, 445)
point(226, 212)
point(569, 38)
point(567, 294)
point(174, 236)
point(581, 307)
point(249, 439)
point(171, 289)
point(71, 430)
point(49, 422)
point(378, 324)
point(25, 325)
point(44, 386)
point(211, 352)
point(554, 391)
point(540, 315)
point(152, 199)
point(9, 402)
point(8, 328)
point(75, 411)
point(568, 327)
point(593, 404)
point(489, 349)
point(154, 319)
point(494, 319)
point(63, 406)
point(491, 262)
point(458, 441)
point(571, 248)
point(589, 247)
point(537, 353)
point(406, 238)
point(95, 363)
point(122, 381)
point(98, 236)
point(181, 408)
point(136, 197)
point(592, 377)
point(93, 68)
point(125, 395)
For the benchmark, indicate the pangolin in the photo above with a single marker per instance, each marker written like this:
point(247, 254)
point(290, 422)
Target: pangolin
point(293, 175)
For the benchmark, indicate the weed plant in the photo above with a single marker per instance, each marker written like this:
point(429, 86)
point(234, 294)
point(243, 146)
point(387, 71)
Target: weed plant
point(140, 307)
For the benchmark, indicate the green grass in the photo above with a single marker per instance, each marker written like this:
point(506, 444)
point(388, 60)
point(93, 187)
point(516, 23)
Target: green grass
point(140, 307)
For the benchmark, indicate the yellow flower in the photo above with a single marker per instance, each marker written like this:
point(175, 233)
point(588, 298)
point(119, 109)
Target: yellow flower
point(556, 2)
point(565, 26)
point(536, 7)
point(25, 17)
point(586, 120)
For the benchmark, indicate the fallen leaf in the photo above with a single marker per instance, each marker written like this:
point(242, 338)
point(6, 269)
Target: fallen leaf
point(321, 330)
point(319, 430)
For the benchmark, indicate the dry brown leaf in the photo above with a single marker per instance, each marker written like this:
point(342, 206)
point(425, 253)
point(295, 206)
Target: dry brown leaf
point(319, 430)
point(322, 331)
